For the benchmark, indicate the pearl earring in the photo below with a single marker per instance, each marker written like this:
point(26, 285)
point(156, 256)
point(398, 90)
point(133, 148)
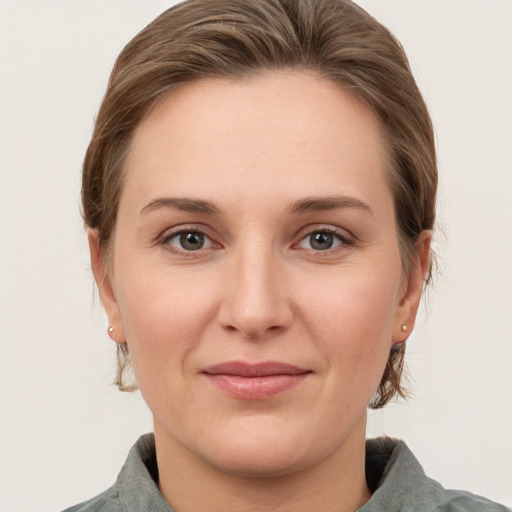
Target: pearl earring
point(110, 329)
point(404, 328)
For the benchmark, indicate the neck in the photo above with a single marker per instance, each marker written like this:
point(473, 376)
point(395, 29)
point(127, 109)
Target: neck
point(335, 484)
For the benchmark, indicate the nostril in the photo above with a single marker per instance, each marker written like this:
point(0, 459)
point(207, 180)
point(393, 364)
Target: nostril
point(255, 306)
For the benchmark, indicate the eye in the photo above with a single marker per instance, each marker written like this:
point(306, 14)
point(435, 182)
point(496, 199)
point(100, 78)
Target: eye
point(189, 241)
point(322, 240)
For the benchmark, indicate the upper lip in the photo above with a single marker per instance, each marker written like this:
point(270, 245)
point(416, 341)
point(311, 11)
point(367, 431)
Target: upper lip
point(263, 369)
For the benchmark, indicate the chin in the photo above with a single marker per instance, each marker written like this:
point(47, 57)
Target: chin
point(267, 449)
point(260, 461)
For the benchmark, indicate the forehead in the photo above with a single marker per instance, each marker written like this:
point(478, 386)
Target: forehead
point(280, 128)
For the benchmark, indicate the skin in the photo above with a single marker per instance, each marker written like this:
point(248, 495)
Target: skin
point(258, 290)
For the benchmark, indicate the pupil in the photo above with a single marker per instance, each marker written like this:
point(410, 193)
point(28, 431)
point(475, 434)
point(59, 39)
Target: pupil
point(192, 241)
point(321, 241)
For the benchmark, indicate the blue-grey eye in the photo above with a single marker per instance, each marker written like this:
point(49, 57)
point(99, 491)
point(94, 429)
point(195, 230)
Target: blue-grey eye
point(189, 241)
point(320, 241)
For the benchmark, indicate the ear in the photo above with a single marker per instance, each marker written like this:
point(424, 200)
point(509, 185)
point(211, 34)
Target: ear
point(410, 301)
point(103, 280)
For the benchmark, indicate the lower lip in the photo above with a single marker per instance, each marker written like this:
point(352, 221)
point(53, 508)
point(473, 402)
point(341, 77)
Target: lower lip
point(256, 388)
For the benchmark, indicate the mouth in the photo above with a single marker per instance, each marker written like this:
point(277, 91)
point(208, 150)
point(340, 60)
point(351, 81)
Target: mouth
point(259, 381)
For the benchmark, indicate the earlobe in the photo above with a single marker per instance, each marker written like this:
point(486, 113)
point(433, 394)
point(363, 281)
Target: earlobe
point(103, 278)
point(409, 304)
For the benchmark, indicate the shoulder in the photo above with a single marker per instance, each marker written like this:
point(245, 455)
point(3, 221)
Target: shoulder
point(400, 484)
point(136, 486)
point(107, 501)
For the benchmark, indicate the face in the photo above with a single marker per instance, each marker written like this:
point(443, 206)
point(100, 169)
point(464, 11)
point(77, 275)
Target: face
point(256, 273)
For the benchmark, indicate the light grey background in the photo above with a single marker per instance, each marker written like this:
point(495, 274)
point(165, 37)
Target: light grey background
point(64, 432)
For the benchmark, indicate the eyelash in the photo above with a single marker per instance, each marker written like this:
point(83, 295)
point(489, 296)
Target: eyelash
point(339, 235)
point(167, 237)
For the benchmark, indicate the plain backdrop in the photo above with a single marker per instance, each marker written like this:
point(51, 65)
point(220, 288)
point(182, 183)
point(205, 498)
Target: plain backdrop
point(64, 430)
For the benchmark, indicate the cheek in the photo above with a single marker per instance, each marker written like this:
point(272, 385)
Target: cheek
point(352, 320)
point(353, 302)
point(164, 317)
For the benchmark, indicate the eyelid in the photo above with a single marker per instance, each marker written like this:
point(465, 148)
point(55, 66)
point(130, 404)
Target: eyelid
point(207, 241)
point(171, 232)
point(346, 238)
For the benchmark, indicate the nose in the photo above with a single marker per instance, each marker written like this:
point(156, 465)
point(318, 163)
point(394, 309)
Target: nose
point(256, 299)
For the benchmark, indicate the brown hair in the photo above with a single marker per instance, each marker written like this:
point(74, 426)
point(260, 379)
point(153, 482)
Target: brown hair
point(237, 39)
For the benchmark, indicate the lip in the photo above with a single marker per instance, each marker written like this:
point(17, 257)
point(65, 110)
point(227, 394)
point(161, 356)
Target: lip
point(255, 381)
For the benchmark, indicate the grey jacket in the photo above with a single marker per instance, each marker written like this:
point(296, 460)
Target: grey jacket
point(394, 476)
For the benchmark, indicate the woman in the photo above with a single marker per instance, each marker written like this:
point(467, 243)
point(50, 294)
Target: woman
point(259, 193)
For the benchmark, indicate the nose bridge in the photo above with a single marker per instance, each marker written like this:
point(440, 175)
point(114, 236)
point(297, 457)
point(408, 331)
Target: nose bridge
point(257, 299)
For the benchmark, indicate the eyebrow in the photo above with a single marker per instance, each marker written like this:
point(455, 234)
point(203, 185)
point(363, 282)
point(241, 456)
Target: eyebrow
point(183, 204)
point(306, 205)
point(319, 204)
